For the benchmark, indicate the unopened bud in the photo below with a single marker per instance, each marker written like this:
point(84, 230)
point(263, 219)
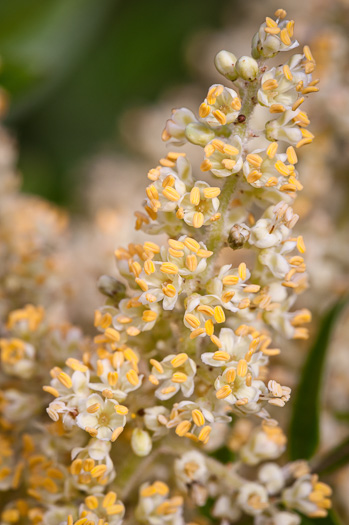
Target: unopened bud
point(199, 134)
point(254, 47)
point(111, 287)
point(238, 236)
point(247, 68)
point(141, 442)
point(225, 64)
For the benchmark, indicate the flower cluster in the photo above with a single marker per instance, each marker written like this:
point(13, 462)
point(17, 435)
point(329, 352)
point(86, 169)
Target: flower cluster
point(183, 341)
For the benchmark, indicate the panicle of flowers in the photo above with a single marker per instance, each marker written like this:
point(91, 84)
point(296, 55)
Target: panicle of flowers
point(183, 341)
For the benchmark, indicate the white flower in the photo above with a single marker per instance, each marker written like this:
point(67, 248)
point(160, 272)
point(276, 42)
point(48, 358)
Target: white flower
point(119, 380)
point(174, 374)
point(96, 449)
point(284, 128)
point(155, 419)
point(18, 405)
point(230, 288)
point(92, 468)
point(190, 468)
point(233, 388)
point(100, 418)
point(200, 205)
point(273, 173)
point(309, 496)
point(168, 185)
point(197, 417)
point(175, 127)
point(56, 515)
point(202, 312)
point(277, 89)
point(155, 508)
point(235, 348)
point(18, 358)
point(253, 499)
point(101, 508)
point(187, 254)
point(160, 286)
point(271, 475)
point(225, 507)
point(264, 444)
point(268, 43)
point(220, 107)
point(132, 317)
point(223, 158)
point(279, 518)
point(274, 227)
point(73, 390)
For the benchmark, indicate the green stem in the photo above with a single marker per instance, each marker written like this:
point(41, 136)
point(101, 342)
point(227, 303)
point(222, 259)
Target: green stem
point(217, 234)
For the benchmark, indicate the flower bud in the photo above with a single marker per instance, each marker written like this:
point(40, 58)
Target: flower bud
point(238, 235)
point(111, 287)
point(225, 64)
point(254, 47)
point(247, 68)
point(141, 442)
point(199, 134)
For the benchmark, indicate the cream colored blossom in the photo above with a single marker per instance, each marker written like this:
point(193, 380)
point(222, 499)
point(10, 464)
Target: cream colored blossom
point(101, 419)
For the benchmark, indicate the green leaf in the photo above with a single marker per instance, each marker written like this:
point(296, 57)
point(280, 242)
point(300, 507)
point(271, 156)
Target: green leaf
point(304, 430)
point(342, 416)
point(206, 510)
point(335, 459)
point(331, 519)
point(223, 454)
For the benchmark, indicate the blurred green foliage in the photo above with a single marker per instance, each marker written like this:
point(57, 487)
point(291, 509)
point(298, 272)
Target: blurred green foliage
point(71, 68)
point(305, 422)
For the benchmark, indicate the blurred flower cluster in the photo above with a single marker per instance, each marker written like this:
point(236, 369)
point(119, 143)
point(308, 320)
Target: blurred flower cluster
point(179, 368)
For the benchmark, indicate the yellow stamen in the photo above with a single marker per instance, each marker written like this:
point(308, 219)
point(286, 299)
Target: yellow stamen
point(192, 244)
point(179, 377)
point(116, 434)
point(254, 159)
point(192, 320)
point(132, 377)
point(219, 314)
point(230, 375)
point(211, 193)
point(204, 110)
point(285, 37)
point(242, 271)
point(170, 268)
point(65, 380)
point(171, 194)
point(287, 72)
point(182, 428)
point(198, 219)
point(241, 369)
point(272, 149)
point(223, 392)
point(195, 196)
point(93, 408)
point(179, 360)
point(209, 327)
point(149, 316)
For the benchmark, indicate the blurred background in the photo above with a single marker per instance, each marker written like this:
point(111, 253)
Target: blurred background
point(72, 67)
point(89, 85)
